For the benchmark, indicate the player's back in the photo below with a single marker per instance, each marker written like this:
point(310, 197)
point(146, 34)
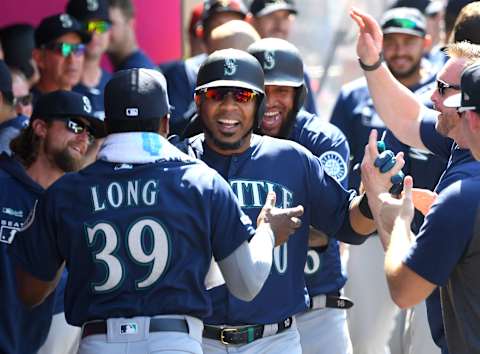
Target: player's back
point(139, 237)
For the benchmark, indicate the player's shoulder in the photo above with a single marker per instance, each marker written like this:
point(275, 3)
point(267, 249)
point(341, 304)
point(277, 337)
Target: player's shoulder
point(355, 87)
point(459, 197)
point(319, 127)
point(268, 145)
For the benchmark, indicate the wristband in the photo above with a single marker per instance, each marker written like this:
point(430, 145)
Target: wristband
point(364, 207)
point(372, 67)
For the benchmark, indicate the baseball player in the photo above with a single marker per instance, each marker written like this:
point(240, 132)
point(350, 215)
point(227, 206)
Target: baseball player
point(231, 101)
point(56, 140)
point(440, 132)
point(93, 14)
point(404, 39)
point(137, 230)
point(285, 93)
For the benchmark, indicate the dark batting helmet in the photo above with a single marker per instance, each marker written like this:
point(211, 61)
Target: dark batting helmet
point(282, 66)
point(233, 68)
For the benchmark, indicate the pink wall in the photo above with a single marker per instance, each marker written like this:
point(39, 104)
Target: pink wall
point(159, 22)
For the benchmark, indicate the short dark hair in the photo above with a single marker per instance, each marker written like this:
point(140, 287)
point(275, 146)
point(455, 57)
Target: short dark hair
point(138, 125)
point(126, 6)
point(467, 24)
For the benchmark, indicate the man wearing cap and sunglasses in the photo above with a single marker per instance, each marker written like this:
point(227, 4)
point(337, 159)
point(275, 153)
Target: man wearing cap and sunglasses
point(138, 229)
point(445, 254)
point(231, 100)
point(10, 123)
point(60, 47)
point(405, 41)
point(413, 124)
point(55, 142)
point(93, 14)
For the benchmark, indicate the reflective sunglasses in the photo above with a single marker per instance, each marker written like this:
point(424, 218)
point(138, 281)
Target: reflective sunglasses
point(240, 95)
point(77, 127)
point(461, 110)
point(442, 86)
point(23, 100)
point(66, 49)
point(99, 26)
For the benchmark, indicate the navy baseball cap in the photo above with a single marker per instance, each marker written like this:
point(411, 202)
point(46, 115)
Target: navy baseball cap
point(260, 8)
point(469, 98)
point(67, 104)
point(85, 10)
point(55, 26)
point(213, 7)
point(18, 42)
point(406, 20)
point(136, 94)
point(5, 78)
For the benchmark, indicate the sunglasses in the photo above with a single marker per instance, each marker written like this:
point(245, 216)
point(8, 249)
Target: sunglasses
point(23, 100)
point(240, 95)
point(442, 86)
point(405, 23)
point(66, 49)
point(77, 127)
point(98, 26)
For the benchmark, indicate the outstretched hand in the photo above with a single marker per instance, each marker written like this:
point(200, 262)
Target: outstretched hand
point(283, 222)
point(370, 37)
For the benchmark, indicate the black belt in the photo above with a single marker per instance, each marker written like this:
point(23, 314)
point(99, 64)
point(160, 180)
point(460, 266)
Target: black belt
point(156, 325)
point(242, 335)
point(333, 300)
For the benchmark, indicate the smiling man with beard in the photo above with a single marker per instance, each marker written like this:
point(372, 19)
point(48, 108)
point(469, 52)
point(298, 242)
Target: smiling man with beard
point(55, 142)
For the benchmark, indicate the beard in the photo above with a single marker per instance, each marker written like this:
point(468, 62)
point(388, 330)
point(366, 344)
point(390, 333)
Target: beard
point(405, 75)
point(63, 159)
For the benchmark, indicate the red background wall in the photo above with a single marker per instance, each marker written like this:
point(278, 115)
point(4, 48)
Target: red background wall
point(159, 22)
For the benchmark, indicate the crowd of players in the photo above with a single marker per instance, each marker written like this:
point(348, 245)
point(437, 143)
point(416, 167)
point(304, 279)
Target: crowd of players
point(118, 257)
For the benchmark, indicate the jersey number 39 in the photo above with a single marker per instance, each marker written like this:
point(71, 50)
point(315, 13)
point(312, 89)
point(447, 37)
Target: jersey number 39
point(157, 259)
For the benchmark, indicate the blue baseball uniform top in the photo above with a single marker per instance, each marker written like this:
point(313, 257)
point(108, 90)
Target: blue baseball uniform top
point(461, 165)
point(137, 238)
point(323, 269)
point(355, 115)
point(10, 129)
point(95, 94)
point(22, 331)
point(137, 59)
point(446, 253)
point(297, 178)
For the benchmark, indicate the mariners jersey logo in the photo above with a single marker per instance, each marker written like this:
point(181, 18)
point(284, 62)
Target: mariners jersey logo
point(269, 57)
point(230, 67)
point(334, 165)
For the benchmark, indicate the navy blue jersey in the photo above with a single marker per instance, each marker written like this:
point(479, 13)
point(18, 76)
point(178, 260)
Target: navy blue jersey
point(21, 331)
point(323, 269)
point(445, 253)
point(355, 115)
point(137, 59)
point(9, 130)
point(95, 94)
point(251, 175)
point(137, 238)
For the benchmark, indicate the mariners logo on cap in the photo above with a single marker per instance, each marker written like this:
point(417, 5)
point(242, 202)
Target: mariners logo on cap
point(66, 20)
point(87, 106)
point(269, 63)
point(92, 5)
point(334, 165)
point(230, 67)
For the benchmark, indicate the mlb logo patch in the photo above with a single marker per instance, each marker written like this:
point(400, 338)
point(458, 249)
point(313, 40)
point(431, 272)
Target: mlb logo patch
point(7, 234)
point(129, 328)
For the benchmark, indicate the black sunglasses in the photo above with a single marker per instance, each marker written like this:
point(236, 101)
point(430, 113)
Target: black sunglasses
point(77, 126)
point(23, 100)
point(442, 86)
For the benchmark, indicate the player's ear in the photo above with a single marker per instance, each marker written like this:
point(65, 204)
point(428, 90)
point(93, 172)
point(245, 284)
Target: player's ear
point(164, 128)
point(39, 127)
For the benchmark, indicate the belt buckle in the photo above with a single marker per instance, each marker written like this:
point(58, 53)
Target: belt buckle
point(222, 334)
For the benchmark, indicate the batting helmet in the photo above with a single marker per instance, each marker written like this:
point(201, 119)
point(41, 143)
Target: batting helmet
point(282, 66)
point(233, 68)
